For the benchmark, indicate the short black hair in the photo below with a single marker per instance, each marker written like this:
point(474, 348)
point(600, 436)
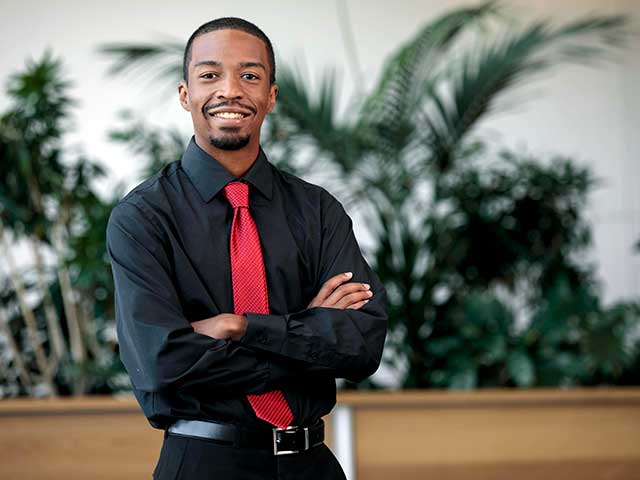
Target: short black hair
point(229, 23)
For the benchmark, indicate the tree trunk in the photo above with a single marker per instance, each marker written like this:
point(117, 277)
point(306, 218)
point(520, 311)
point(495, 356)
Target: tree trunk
point(78, 353)
point(24, 374)
point(28, 315)
point(58, 347)
point(90, 331)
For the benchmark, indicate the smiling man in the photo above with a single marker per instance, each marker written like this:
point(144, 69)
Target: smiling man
point(241, 292)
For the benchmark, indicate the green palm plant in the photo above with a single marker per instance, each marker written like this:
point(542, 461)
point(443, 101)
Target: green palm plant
point(49, 313)
point(455, 242)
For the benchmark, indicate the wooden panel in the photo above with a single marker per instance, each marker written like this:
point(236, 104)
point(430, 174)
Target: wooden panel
point(517, 434)
point(449, 436)
point(490, 398)
point(73, 405)
point(63, 446)
point(582, 470)
point(537, 434)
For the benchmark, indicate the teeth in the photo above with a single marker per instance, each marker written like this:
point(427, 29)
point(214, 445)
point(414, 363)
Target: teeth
point(228, 115)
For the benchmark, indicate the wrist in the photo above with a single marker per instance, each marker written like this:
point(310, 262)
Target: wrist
point(239, 327)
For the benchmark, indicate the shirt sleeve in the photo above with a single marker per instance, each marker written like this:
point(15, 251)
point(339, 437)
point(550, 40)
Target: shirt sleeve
point(344, 342)
point(158, 347)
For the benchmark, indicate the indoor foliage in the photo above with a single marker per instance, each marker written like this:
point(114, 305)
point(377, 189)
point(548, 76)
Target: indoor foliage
point(482, 251)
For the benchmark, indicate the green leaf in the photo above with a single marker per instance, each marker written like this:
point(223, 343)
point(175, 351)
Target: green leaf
point(520, 368)
point(464, 380)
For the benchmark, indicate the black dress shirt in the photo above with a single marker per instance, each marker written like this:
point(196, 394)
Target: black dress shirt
point(168, 240)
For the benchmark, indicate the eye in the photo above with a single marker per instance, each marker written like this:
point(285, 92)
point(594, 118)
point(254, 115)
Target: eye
point(249, 76)
point(208, 75)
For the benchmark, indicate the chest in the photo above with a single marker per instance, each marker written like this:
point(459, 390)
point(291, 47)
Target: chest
point(199, 243)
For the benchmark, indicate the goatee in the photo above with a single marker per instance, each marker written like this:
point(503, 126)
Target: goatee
point(229, 142)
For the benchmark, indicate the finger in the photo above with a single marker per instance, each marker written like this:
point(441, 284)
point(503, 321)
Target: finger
point(353, 298)
point(328, 287)
point(357, 305)
point(331, 284)
point(346, 289)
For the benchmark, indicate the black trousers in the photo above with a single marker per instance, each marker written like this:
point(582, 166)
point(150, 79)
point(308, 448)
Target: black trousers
point(194, 458)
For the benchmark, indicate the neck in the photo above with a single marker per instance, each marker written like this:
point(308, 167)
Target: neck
point(236, 162)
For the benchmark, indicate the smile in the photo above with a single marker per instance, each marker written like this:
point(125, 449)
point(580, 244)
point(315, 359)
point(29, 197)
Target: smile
point(229, 115)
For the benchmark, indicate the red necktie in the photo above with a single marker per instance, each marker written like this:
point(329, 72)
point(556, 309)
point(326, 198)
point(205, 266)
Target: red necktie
point(250, 290)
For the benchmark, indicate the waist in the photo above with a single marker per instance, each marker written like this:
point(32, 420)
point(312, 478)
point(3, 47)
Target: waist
point(280, 441)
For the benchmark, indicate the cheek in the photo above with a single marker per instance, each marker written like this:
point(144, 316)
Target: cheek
point(270, 106)
point(266, 104)
point(197, 100)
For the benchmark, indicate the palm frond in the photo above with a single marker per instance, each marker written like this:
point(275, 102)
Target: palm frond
point(155, 61)
point(313, 116)
point(158, 147)
point(390, 105)
point(487, 72)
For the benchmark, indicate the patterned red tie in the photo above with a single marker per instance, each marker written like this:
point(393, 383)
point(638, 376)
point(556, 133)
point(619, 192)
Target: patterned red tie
point(250, 290)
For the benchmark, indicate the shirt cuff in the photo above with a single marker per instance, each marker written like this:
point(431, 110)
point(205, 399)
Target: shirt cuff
point(266, 332)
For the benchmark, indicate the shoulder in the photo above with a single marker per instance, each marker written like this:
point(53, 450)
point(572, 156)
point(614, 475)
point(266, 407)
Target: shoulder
point(155, 188)
point(318, 196)
point(292, 182)
point(137, 209)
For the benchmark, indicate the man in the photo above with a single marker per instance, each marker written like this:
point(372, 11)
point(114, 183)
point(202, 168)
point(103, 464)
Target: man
point(241, 293)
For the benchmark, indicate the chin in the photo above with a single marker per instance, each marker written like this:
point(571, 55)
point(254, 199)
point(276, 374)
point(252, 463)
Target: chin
point(229, 142)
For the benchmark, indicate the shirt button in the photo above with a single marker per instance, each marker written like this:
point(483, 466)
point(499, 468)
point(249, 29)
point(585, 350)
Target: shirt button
point(262, 339)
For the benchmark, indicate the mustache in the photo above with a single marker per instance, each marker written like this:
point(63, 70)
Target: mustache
point(208, 108)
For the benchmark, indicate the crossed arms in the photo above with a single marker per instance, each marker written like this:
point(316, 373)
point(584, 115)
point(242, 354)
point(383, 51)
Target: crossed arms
point(333, 294)
point(341, 332)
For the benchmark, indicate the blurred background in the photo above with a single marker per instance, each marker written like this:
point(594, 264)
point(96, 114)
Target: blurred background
point(487, 153)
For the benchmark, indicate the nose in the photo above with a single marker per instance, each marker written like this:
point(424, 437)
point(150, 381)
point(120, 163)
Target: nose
point(229, 88)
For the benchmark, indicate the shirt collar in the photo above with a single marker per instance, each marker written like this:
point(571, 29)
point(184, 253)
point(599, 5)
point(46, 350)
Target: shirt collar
point(209, 176)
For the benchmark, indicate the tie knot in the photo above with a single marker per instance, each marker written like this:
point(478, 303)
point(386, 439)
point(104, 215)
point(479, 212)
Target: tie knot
point(238, 194)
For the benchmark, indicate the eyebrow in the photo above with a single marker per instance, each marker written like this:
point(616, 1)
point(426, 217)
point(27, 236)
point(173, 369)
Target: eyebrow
point(253, 64)
point(208, 63)
point(213, 63)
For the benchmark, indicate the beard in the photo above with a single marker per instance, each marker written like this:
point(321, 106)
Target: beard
point(230, 141)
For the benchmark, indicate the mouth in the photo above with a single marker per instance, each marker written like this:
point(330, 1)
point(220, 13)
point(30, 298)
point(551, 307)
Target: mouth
point(227, 115)
point(225, 119)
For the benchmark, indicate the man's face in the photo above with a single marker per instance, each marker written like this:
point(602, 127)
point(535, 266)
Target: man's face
point(229, 92)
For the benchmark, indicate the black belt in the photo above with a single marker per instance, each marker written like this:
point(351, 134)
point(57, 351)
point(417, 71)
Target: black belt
point(280, 441)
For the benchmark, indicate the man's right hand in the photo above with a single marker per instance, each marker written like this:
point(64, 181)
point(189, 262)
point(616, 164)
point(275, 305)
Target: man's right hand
point(335, 295)
point(225, 326)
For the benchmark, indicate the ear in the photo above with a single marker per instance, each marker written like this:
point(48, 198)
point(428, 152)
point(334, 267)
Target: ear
point(273, 95)
point(183, 95)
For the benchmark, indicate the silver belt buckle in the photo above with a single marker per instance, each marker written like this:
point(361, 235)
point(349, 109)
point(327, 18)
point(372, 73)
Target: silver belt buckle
point(288, 452)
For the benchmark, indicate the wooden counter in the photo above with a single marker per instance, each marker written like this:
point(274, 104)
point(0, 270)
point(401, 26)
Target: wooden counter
point(491, 434)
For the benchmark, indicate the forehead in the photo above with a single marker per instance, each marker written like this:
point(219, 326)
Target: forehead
point(228, 46)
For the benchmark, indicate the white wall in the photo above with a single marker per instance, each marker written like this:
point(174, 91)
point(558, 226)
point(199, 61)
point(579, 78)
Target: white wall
point(590, 114)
